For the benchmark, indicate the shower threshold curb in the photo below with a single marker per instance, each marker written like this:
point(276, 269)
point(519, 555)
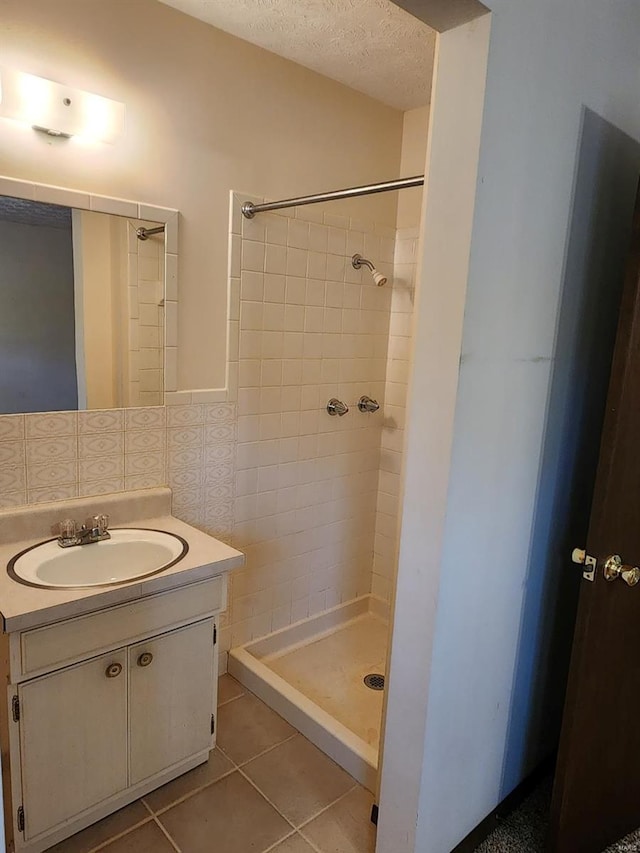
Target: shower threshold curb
point(351, 752)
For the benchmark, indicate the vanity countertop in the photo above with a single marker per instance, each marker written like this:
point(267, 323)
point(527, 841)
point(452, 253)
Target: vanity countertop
point(24, 607)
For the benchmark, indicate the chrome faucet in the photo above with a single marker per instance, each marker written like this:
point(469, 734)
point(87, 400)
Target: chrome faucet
point(95, 529)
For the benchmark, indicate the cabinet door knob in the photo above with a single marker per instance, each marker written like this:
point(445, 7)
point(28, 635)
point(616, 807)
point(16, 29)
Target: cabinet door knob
point(145, 659)
point(113, 670)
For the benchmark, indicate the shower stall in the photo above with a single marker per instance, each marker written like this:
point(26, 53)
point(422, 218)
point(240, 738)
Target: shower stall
point(320, 332)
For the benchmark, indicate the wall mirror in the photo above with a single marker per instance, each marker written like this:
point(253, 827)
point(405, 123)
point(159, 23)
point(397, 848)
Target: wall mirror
point(82, 301)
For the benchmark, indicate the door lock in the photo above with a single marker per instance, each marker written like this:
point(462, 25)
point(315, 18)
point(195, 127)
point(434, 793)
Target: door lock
point(614, 568)
point(581, 557)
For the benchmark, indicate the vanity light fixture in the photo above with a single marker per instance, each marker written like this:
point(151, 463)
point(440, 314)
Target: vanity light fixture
point(58, 110)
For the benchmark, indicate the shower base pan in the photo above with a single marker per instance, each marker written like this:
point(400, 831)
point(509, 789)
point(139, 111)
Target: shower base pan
point(312, 674)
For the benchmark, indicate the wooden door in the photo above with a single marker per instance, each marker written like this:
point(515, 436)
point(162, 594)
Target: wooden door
point(73, 740)
point(171, 690)
point(596, 798)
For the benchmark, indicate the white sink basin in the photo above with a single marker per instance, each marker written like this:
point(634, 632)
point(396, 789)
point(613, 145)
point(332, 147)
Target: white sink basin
point(130, 553)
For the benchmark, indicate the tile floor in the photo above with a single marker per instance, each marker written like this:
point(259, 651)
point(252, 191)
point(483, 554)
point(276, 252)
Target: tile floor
point(264, 788)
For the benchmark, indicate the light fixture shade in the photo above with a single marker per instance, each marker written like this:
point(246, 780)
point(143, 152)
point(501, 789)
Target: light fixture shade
point(58, 109)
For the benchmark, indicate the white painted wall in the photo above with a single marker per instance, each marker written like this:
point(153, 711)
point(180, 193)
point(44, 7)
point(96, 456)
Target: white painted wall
point(557, 175)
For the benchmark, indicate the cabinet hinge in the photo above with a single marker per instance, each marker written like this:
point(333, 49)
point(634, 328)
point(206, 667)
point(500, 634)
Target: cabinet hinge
point(15, 709)
point(213, 724)
point(215, 634)
point(21, 819)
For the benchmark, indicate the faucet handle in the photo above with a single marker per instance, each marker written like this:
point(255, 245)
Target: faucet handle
point(102, 522)
point(66, 529)
point(97, 522)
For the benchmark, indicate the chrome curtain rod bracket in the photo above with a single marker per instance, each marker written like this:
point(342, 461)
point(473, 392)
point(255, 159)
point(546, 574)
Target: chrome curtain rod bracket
point(145, 233)
point(249, 209)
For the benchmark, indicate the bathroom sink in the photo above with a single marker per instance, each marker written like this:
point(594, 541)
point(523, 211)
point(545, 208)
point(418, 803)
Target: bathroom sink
point(129, 554)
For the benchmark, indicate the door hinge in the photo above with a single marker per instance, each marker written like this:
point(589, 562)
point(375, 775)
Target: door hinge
point(213, 724)
point(21, 819)
point(215, 634)
point(15, 709)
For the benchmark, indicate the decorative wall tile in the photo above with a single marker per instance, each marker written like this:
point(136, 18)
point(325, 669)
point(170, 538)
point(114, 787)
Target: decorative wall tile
point(11, 427)
point(12, 453)
point(51, 449)
point(219, 413)
point(143, 463)
point(152, 418)
point(52, 474)
point(145, 481)
point(137, 441)
point(100, 487)
point(52, 493)
point(189, 457)
point(181, 438)
point(12, 479)
point(9, 500)
point(178, 416)
point(101, 468)
point(108, 420)
point(51, 424)
point(219, 434)
point(100, 444)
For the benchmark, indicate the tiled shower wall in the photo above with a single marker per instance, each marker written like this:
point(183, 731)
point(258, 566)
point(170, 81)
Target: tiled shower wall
point(395, 399)
point(146, 315)
point(311, 328)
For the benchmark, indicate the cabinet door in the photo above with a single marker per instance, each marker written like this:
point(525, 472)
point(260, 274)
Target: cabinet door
point(170, 706)
point(73, 740)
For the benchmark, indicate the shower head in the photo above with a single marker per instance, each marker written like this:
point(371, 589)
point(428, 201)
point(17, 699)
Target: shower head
point(358, 261)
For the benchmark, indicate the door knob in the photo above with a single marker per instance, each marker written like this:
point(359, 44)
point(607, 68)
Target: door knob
point(113, 670)
point(614, 568)
point(145, 659)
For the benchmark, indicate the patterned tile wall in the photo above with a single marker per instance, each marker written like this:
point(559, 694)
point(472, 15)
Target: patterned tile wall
point(64, 455)
point(310, 328)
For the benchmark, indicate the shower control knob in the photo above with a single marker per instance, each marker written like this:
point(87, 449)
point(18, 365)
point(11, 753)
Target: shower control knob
point(337, 407)
point(366, 404)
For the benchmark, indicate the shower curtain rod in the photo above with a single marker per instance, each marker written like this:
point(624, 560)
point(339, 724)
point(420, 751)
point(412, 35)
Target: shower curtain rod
point(249, 209)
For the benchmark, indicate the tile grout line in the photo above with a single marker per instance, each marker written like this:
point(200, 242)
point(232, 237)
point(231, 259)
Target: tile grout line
point(280, 841)
point(118, 836)
point(233, 699)
point(259, 754)
point(271, 803)
point(166, 834)
point(326, 808)
point(187, 796)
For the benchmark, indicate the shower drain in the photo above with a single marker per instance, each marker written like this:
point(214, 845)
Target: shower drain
point(374, 680)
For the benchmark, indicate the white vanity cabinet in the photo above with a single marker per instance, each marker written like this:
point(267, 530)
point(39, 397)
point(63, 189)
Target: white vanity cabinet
point(107, 706)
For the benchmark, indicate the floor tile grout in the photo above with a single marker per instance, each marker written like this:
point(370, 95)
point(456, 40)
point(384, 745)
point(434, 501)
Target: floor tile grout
point(188, 795)
point(326, 808)
point(118, 835)
point(166, 833)
point(228, 701)
point(259, 754)
point(280, 841)
point(264, 796)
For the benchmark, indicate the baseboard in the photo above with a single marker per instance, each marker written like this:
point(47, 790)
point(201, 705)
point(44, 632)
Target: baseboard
point(504, 808)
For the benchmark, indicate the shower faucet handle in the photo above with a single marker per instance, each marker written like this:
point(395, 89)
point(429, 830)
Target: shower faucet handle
point(337, 407)
point(367, 404)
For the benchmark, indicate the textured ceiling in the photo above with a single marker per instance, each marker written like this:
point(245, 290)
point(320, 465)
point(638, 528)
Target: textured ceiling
point(372, 46)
